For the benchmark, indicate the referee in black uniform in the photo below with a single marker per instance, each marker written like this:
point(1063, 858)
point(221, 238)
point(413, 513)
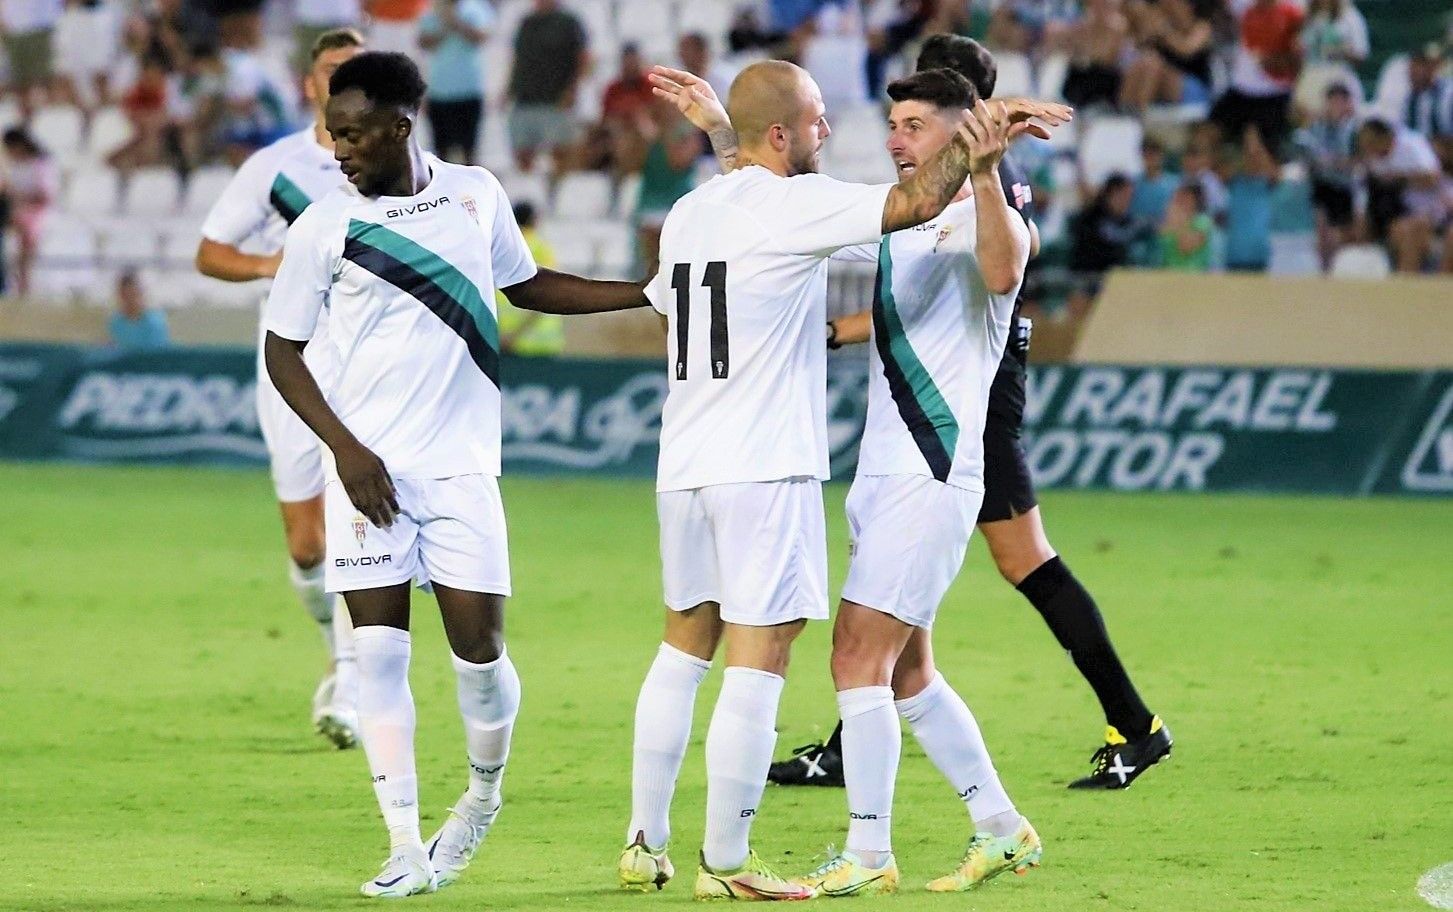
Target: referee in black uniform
point(1135, 739)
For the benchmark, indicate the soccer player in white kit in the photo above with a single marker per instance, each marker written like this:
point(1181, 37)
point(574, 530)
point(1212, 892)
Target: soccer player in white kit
point(942, 305)
point(268, 193)
point(743, 286)
point(406, 261)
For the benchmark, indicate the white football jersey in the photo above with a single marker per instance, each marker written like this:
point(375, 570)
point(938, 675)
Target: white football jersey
point(409, 284)
point(938, 338)
point(743, 284)
point(270, 191)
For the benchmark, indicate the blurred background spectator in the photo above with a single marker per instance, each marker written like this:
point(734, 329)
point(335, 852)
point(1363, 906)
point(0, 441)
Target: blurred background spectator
point(31, 184)
point(452, 35)
point(1402, 194)
point(87, 48)
point(1155, 186)
point(394, 25)
point(667, 174)
point(1334, 44)
point(314, 17)
point(1264, 70)
point(1099, 42)
point(135, 327)
point(1173, 62)
point(1105, 235)
point(29, 27)
point(1325, 148)
point(1186, 232)
point(551, 57)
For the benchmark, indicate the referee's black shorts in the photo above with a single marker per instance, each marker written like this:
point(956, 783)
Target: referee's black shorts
point(1008, 489)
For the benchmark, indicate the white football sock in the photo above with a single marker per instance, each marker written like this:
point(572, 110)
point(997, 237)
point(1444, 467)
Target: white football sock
point(663, 726)
point(345, 660)
point(386, 723)
point(489, 700)
point(739, 745)
point(872, 744)
point(950, 737)
point(317, 601)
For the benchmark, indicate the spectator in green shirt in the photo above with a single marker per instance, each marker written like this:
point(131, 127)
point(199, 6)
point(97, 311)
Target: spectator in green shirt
point(1186, 233)
point(667, 174)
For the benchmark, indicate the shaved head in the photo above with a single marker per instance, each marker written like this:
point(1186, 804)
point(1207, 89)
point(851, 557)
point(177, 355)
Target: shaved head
point(776, 107)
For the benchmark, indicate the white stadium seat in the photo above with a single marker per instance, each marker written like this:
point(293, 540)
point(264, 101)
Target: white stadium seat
point(1110, 144)
point(1051, 78)
point(1016, 77)
point(58, 130)
point(583, 195)
point(91, 193)
point(1361, 261)
point(205, 187)
point(132, 245)
point(109, 130)
point(152, 191)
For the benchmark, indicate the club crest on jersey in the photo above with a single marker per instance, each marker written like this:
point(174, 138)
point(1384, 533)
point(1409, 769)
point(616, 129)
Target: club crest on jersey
point(1023, 196)
point(360, 528)
point(472, 209)
point(943, 234)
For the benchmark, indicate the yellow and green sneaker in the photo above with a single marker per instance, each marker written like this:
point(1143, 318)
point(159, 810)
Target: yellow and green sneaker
point(642, 867)
point(754, 881)
point(989, 856)
point(845, 875)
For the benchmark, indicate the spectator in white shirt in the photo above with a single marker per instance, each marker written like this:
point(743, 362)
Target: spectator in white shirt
point(1334, 43)
point(87, 47)
point(1401, 194)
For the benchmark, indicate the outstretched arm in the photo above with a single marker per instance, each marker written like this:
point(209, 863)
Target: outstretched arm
point(698, 103)
point(562, 293)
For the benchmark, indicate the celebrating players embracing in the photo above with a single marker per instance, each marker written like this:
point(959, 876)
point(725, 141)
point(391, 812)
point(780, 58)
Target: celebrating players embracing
point(406, 260)
point(742, 284)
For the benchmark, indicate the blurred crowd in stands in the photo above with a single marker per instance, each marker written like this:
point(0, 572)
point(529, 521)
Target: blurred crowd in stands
point(1288, 136)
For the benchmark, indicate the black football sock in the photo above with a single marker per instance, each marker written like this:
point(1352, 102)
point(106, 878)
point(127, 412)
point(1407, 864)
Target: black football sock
point(1075, 621)
point(835, 740)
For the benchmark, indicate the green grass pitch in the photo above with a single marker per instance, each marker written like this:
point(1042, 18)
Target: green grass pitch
point(155, 674)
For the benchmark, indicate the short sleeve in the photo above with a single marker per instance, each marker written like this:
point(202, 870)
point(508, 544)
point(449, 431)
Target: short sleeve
point(857, 253)
point(818, 215)
point(243, 207)
point(303, 280)
point(509, 255)
point(1016, 188)
point(656, 293)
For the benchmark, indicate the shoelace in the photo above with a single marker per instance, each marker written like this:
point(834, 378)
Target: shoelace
point(835, 861)
point(1100, 759)
point(472, 839)
point(978, 841)
point(806, 749)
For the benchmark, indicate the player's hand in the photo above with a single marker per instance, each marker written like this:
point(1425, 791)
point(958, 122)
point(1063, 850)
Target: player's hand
point(367, 483)
point(1017, 110)
point(692, 96)
point(987, 137)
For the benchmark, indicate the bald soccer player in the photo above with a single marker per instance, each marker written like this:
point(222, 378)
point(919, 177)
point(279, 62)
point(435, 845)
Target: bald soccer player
point(743, 286)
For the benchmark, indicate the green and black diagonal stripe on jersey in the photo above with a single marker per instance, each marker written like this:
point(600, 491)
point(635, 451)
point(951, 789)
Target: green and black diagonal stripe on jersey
point(431, 280)
point(920, 404)
point(287, 198)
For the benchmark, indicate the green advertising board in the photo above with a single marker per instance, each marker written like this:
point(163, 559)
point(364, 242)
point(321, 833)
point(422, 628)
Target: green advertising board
point(1092, 427)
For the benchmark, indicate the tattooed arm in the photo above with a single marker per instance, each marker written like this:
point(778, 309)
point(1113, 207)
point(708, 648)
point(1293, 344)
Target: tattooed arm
point(698, 103)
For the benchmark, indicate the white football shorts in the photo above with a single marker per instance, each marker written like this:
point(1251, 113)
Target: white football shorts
point(909, 535)
point(293, 451)
point(449, 531)
point(759, 549)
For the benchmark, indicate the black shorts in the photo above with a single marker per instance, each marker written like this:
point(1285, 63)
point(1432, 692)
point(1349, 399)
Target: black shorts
point(1008, 489)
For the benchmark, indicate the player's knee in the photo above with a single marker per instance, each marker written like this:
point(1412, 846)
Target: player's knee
point(306, 548)
point(1015, 560)
point(481, 649)
point(911, 678)
point(860, 661)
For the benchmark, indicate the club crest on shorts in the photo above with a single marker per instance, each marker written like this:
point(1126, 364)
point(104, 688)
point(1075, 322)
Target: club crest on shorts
point(472, 209)
point(360, 528)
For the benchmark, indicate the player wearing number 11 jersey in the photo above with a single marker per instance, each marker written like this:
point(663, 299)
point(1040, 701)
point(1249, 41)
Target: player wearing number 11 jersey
point(743, 286)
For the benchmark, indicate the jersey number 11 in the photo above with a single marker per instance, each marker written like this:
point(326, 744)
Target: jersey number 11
point(715, 280)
